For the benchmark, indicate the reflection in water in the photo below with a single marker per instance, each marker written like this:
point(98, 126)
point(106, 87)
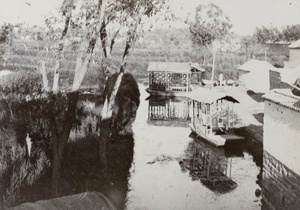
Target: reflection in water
point(210, 165)
point(83, 171)
point(156, 179)
point(23, 178)
point(160, 185)
point(169, 111)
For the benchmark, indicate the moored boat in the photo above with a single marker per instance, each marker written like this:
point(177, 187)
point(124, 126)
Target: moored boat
point(172, 78)
point(212, 117)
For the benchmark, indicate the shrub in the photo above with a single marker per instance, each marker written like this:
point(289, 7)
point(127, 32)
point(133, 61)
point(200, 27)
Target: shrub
point(21, 82)
point(277, 61)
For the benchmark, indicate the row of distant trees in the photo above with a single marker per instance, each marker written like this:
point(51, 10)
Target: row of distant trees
point(287, 34)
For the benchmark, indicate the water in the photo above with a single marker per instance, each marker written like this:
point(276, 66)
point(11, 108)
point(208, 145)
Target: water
point(158, 180)
point(162, 166)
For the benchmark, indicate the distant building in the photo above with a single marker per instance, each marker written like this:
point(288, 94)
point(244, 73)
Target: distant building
point(294, 59)
point(255, 75)
point(281, 168)
point(291, 69)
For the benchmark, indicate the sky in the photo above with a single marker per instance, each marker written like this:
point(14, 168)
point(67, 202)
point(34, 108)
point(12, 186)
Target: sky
point(245, 15)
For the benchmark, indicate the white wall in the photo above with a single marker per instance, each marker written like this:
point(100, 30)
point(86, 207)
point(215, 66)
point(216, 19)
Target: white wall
point(294, 59)
point(282, 134)
point(256, 80)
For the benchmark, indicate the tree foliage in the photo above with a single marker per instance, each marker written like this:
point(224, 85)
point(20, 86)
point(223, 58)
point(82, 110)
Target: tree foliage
point(288, 33)
point(210, 24)
point(91, 28)
point(5, 32)
point(209, 28)
point(248, 46)
point(92, 25)
point(88, 29)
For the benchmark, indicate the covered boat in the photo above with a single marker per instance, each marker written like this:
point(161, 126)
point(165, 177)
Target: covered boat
point(213, 117)
point(172, 78)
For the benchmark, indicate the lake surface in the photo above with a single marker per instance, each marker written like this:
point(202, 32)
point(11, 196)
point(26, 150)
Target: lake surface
point(168, 171)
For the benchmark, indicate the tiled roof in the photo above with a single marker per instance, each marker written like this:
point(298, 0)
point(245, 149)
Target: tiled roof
point(284, 97)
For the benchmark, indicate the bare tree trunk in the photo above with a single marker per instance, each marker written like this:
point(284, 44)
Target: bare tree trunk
point(107, 111)
point(105, 125)
point(213, 64)
point(56, 168)
point(1, 196)
point(44, 76)
point(56, 77)
point(59, 140)
point(213, 70)
point(82, 64)
point(109, 104)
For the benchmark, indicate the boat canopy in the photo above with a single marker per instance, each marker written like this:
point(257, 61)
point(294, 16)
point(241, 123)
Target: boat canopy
point(161, 97)
point(176, 67)
point(210, 96)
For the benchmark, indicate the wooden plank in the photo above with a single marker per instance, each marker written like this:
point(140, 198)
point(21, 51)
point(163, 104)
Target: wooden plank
point(232, 137)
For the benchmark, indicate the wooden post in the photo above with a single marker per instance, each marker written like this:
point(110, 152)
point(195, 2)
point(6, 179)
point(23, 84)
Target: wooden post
point(230, 167)
point(205, 154)
point(194, 154)
point(149, 111)
point(187, 82)
point(208, 164)
point(210, 120)
point(232, 118)
point(165, 80)
point(226, 167)
point(150, 82)
point(228, 118)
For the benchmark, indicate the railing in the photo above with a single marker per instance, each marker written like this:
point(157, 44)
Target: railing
point(178, 89)
point(162, 87)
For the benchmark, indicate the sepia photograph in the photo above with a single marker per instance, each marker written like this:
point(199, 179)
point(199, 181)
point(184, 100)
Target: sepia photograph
point(150, 104)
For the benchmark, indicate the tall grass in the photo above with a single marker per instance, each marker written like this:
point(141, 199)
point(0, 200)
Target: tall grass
point(23, 173)
point(21, 82)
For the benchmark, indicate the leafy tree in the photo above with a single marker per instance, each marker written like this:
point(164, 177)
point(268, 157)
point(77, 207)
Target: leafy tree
point(289, 33)
point(209, 28)
point(264, 34)
point(92, 24)
point(248, 46)
point(6, 37)
point(5, 32)
point(90, 29)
